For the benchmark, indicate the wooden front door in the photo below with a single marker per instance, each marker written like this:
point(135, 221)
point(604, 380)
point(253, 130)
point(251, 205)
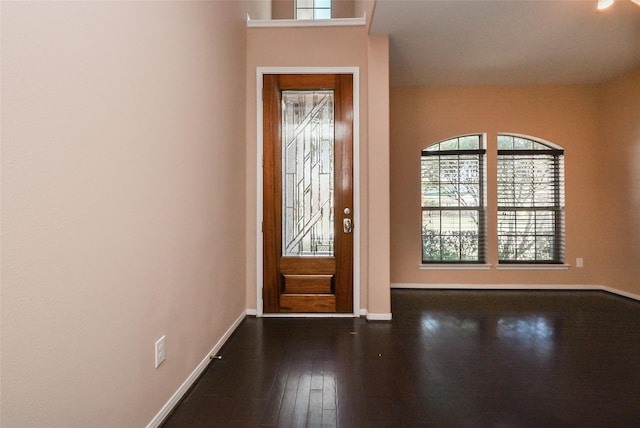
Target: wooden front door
point(308, 193)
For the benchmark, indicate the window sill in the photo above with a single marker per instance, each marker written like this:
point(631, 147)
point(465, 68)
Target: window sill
point(473, 266)
point(532, 267)
point(284, 23)
point(462, 266)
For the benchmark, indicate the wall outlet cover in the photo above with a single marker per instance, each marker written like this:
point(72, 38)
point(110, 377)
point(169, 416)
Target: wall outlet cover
point(160, 350)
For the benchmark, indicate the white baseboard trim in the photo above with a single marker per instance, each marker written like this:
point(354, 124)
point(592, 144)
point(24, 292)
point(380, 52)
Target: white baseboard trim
point(189, 381)
point(559, 287)
point(621, 292)
point(378, 317)
point(252, 312)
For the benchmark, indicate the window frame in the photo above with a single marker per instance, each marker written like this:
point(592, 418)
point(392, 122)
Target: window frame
point(481, 208)
point(314, 9)
point(555, 155)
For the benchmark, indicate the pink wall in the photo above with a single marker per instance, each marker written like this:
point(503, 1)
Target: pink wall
point(297, 47)
point(122, 203)
point(564, 115)
point(379, 301)
point(599, 127)
point(619, 190)
point(313, 47)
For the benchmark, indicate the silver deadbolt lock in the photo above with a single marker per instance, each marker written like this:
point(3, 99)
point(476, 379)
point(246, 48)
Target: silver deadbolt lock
point(347, 226)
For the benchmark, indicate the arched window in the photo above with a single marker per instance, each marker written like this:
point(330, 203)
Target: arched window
point(453, 201)
point(530, 201)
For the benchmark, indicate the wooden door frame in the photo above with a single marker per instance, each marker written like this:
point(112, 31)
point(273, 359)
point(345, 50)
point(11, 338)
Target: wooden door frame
point(355, 72)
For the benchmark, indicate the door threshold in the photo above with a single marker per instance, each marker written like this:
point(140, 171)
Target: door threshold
point(309, 315)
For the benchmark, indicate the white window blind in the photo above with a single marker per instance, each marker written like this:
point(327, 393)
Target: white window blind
point(453, 195)
point(530, 201)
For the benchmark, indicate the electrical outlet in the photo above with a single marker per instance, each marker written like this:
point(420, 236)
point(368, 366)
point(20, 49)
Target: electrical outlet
point(579, 262)
point(161, 351)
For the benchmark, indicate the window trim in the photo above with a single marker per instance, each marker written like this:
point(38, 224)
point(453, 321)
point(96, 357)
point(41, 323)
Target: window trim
point(295, 23)
point(454, 266)
point(532, 266)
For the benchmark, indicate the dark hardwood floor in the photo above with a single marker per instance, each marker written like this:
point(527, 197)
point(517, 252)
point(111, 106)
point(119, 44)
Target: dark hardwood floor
point(448, 359)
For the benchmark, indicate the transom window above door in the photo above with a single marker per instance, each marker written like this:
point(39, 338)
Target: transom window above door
point(313, 9)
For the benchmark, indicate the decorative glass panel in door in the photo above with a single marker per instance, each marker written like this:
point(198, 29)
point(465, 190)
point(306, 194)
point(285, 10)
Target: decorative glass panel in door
point(307, 173)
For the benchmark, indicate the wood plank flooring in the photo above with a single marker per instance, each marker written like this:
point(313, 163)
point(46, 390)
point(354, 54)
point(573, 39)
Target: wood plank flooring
point(448, 359)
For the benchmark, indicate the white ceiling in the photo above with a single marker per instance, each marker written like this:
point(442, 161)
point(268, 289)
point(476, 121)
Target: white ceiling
point(508, 42)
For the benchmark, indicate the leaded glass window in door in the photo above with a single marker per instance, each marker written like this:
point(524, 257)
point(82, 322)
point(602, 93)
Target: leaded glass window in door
point(307, 173)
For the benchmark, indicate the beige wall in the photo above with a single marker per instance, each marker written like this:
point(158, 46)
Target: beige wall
point(599, 127)
point(343, 9)
point(619, 190)
point(122, 203)
point(310, 47)
point(379, 292)
point(564, 115)
point(282, 9)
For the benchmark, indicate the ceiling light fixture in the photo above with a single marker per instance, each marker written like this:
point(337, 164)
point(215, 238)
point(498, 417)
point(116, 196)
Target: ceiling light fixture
point(605, 4)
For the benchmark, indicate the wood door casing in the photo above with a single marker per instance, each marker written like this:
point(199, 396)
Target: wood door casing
point(319, 283)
